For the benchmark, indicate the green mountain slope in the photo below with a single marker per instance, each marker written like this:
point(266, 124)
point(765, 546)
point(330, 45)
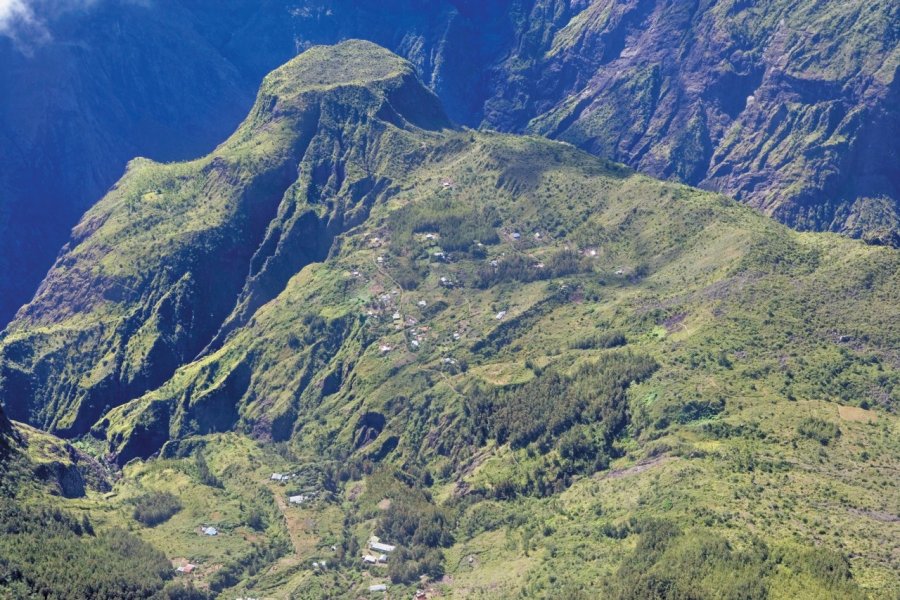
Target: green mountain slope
point(51, 548)
point(788, 105)
point(536, 372)
point(155, 268)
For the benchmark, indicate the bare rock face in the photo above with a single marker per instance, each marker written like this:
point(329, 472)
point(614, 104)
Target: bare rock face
point(369, 427)
point(766, 103)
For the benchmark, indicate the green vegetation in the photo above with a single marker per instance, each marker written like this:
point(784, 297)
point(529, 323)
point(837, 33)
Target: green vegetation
point(522, 269)
point(458, 227)
point(543, 412)
point(666, 563)
point(599, 341)
point(155, 508)
point(248, 565)
point(205, 476)
point(823, 432)
point(48, 553)
point(634, 414)
point(422, 529)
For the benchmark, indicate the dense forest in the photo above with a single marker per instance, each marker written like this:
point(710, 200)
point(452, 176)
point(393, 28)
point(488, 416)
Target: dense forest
point(669, 563)
point(51, 554)
point(577, 416)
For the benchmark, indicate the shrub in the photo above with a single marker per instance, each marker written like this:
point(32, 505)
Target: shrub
point(155, 507)
point(249, 564)
point(204, 474)
point(256, 520)
point(599, 341)
point(183, 591)
point(699, 564)
point(553, 403)
point(817, 429)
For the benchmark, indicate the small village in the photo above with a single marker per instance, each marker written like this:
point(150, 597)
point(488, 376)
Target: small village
point(375, 556)
point(395, 312)
point(390, 309)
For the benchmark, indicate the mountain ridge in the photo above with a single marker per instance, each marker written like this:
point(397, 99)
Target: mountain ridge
point(266, 151)
point(548, 66)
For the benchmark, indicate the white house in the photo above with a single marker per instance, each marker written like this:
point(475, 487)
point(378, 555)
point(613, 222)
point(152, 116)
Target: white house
point(382, 547)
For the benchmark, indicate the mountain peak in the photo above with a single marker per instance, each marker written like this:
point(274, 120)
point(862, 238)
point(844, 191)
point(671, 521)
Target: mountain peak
point(328, 134)
point(357, 73)
point(354, 62)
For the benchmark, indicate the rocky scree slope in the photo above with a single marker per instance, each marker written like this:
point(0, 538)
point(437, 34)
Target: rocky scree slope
point(788, 105)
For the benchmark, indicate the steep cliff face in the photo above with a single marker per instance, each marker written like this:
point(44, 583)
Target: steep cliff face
point(176, 256)
point(767, 102)
point(788, 105)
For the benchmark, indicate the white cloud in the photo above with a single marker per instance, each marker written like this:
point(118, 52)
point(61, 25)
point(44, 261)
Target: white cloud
point(8, 7)
point(19, 23)
point(25, 21)
point(12, 11)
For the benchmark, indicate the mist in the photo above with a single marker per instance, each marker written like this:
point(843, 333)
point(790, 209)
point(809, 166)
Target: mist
point(27, 22)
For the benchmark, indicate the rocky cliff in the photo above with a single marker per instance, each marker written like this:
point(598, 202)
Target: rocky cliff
point(783, 105)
